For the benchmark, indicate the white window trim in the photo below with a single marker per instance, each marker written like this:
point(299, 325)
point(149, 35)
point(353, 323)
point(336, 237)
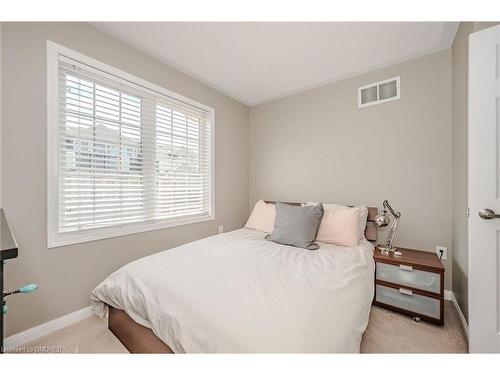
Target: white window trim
point(55, 239)
point(378, 101)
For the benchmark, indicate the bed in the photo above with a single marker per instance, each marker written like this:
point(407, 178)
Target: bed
point(238, 293)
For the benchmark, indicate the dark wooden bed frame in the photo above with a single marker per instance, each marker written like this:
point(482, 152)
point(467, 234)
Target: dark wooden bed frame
point(139, 339)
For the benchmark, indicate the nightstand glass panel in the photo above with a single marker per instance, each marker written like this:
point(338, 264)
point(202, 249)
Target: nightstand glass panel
point(409, 276)
point(419, 304)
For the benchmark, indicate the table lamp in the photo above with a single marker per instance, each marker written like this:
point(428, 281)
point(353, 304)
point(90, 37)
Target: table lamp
point(382, 220)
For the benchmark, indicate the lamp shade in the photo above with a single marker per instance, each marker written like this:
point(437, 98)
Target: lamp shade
point(382, 220)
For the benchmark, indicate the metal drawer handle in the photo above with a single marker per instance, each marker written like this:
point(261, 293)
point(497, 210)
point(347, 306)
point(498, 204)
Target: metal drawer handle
point(408, 292)
point(405, 268)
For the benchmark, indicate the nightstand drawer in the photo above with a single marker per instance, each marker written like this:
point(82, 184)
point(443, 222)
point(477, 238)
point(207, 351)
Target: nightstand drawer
point(408, 276)
point(407, 300)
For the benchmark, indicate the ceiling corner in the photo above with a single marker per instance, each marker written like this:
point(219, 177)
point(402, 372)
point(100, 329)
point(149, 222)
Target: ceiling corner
point(448, 35)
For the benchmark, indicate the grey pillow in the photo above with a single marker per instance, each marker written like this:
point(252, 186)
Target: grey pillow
point(296, 225)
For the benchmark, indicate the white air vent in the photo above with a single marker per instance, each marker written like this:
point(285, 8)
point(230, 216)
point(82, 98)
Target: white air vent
point(379, 92)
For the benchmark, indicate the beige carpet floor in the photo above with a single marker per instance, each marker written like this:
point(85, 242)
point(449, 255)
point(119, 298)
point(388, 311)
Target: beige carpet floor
point(390, 332)
point(387, 332)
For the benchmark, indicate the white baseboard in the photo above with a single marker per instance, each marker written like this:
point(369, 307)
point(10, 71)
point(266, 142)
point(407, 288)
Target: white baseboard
point(44, 329)
point(448, 295)
point(465, 326)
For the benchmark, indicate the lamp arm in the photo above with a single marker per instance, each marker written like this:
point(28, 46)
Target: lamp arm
point(392, 232)
point(386, 205)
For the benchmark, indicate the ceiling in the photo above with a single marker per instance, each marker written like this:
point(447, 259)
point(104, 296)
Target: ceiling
point(255, 62)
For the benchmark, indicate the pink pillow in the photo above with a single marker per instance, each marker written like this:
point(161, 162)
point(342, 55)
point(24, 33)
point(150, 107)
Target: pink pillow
point(340, 226)
point(262, 217)
point(363, 214)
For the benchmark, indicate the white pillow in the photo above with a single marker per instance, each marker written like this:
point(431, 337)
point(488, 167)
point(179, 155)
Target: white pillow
point(340, 226)
point(262, 217)
point(363, 214)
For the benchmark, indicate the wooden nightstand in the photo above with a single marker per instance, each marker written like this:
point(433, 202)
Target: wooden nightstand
point(412, 284)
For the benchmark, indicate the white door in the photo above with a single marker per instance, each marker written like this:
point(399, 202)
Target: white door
point(484, 190)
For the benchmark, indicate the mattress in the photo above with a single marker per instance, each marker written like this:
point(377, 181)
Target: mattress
point(238, 293)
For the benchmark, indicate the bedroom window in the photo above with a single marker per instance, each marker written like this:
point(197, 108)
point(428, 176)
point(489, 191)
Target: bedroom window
point(124, 155)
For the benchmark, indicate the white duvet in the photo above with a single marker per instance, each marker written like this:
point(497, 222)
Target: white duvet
point(238, 293)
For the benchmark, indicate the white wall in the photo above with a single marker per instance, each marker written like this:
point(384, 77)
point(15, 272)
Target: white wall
point(318, 145)
point(460, 52)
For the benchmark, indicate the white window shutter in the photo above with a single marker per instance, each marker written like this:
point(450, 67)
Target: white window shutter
point(127, 156)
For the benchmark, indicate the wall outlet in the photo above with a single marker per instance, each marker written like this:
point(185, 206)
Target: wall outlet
point(442, 252)
point(221, 228)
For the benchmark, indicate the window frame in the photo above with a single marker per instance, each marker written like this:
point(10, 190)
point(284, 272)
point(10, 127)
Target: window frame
point(56, 239)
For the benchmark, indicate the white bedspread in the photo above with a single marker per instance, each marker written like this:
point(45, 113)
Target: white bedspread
point(236, 292)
